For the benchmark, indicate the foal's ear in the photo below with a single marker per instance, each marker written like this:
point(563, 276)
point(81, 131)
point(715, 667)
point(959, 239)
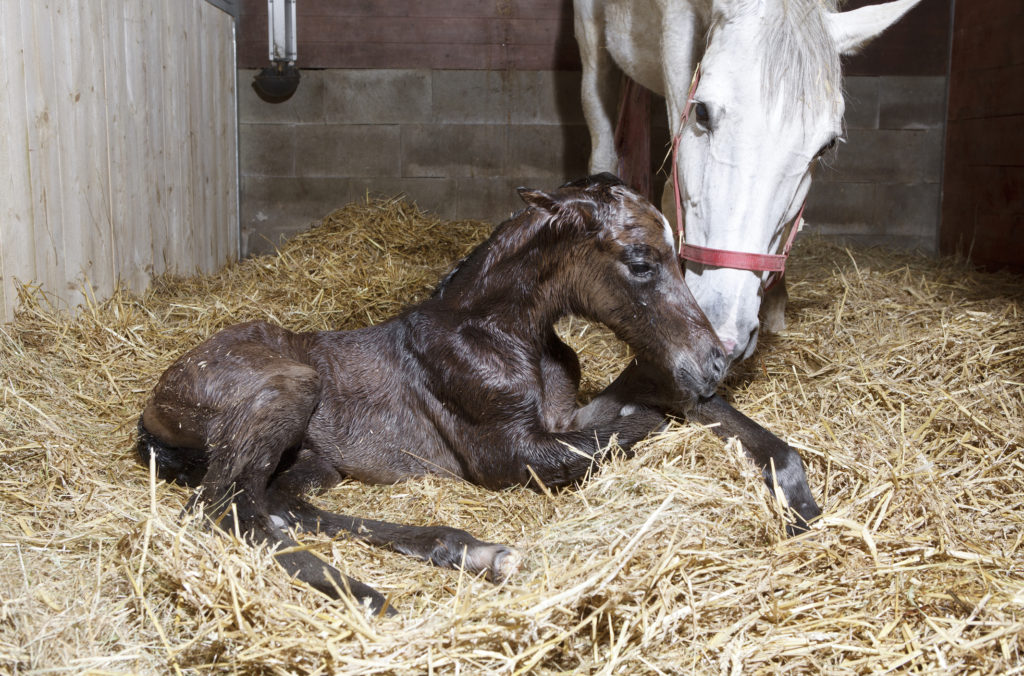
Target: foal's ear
point(539, 199)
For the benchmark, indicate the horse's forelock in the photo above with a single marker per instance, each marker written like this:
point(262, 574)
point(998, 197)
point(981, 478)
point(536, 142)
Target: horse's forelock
point(800, 60)
point(801, 54)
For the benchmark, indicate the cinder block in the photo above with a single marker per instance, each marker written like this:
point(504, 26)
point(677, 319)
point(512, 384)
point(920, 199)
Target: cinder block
point(890, 156)
point(453, 150)
point(837, 206)
point(887, 241)
point(305, 105)
point(267, 149)
point(274, 209)
point(294, 189)
point(436, 195)
point(912, 102)
point(470, 96)
point(348, 150)
point(489, 199)
point(861, 96)
point(545, 97)
point(548, 151)
point(353, 96)
point(909, 211)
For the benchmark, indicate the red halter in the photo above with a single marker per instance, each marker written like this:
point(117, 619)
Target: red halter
point(740, 260)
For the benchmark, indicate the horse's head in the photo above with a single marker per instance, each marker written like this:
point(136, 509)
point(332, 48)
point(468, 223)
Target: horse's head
point(622, 271)
point(768, 107)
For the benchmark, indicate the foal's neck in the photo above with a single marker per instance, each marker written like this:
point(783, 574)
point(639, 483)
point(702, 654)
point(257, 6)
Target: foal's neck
point(523, 285)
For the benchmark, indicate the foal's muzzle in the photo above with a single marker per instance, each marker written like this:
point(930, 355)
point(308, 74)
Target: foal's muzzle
point(702, 379)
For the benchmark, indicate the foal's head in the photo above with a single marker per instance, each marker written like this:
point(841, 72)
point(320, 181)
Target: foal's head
point(621, 269)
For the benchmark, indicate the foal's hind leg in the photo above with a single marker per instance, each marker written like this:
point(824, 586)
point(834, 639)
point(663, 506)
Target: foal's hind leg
point(440, 545)
point(254, 406)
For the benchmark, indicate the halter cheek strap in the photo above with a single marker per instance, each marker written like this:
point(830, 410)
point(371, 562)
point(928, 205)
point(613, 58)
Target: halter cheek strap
point(722, 258)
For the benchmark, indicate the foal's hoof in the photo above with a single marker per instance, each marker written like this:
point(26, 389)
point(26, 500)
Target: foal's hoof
point(497, 562)
point(505, 565)
point(805, 514)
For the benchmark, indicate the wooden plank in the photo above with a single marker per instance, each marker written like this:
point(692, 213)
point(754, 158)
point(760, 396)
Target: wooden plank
point(534, 34)
point(173, 119)
point(993, 43)
point(494, 9)
point(226, 224)
point(977, 12)
point(992, 141)
point(997, 239)
point(987, 92)
point(427, 31)
point(17, 259)
point(43, 149)
point(87, 243)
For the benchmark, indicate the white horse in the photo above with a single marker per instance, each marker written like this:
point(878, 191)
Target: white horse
point(768, 105)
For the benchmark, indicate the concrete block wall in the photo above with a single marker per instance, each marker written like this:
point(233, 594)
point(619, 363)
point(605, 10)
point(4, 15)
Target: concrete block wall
point(458, 143)
point(884, 184)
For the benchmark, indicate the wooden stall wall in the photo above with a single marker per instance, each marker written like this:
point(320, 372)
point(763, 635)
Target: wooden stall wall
point(983, 192)
point(437, 34)
point(118, 135)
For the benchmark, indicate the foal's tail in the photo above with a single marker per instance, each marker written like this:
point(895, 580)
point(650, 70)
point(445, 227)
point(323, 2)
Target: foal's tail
point(185, 466)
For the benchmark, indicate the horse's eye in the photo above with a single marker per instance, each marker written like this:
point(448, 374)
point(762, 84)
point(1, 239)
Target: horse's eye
point(828, 146)
point(701, 114)
point(640, 269)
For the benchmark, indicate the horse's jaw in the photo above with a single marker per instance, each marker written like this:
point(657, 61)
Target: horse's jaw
point(731, 300)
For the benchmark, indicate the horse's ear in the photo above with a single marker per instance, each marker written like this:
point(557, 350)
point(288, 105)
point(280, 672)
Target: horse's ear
point(539, 199)
point(853, 29)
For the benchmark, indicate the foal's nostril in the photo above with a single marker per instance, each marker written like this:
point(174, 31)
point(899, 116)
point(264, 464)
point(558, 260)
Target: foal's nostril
point(719, 363)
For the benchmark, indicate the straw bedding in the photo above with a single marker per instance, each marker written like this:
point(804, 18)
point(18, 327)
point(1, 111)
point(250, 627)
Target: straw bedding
point(900, 379)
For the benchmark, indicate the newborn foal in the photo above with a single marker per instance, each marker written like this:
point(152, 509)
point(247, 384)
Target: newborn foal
point(471, 383)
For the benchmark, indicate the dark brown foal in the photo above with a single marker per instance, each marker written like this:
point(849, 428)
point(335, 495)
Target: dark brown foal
point(472, 383)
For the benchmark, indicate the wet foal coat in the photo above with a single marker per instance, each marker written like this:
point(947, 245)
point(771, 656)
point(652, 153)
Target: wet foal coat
point(471, 383)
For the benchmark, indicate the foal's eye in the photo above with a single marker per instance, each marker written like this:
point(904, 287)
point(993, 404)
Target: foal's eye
point(640, 269)
point(701, 114)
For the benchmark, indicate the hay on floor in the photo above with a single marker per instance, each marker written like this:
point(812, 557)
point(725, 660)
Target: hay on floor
point(900, 379)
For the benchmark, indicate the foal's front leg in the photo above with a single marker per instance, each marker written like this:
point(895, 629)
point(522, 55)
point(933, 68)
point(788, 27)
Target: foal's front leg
point(780, 464)
point(639, 385)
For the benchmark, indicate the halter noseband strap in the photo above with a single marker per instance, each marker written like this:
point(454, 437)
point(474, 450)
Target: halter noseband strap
point(722, 258)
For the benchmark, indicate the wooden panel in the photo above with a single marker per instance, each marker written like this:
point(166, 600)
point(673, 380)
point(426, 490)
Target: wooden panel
point(17, 257)
point(983, 182)
point(118, 140)
point(989, 91)
point(991, 42)
point(461, 34)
